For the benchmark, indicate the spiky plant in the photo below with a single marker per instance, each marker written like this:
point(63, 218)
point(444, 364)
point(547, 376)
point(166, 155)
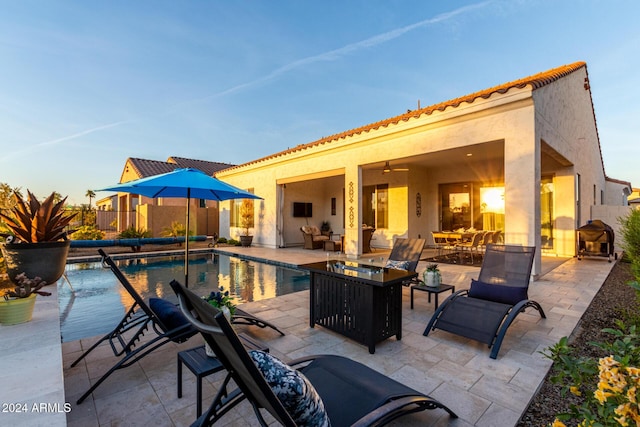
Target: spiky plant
point(35, 222)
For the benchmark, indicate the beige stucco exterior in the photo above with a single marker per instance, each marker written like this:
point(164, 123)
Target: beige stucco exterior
point(156, 215)
point(507, 136)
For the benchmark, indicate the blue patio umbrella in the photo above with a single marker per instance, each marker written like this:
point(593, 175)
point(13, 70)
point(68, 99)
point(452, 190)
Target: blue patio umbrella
point(183, 183)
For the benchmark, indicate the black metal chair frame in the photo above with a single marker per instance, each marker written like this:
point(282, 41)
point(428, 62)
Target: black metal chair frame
point(125, 338)
point(251, 384)
point(241, 317)
point(481, 319)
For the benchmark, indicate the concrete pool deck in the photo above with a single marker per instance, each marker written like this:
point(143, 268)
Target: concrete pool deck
point(458, 372)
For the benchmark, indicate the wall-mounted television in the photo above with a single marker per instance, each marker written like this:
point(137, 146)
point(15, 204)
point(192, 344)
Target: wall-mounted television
point(302, 210)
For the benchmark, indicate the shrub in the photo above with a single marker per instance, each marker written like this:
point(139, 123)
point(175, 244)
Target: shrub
point(87, 232)
point(630, 229)
point(131, 233)
point(615, 378)
point(176, 229)
point(233, 242)
point(222, 240)
point(614, 401)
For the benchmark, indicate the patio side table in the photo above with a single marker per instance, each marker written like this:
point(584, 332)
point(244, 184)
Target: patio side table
point(201, 365)
point(431, 290)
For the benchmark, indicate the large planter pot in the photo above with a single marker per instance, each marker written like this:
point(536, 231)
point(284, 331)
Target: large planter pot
point(17, 310)
point(45, 260)
point(246, 240)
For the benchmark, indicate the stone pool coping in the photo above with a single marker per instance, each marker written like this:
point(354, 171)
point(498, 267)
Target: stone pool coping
point(32, 378)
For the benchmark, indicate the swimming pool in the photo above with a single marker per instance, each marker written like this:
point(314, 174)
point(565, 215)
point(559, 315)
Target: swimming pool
point(99, 301)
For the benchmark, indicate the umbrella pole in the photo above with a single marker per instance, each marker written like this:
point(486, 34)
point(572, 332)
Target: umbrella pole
point(186, 243)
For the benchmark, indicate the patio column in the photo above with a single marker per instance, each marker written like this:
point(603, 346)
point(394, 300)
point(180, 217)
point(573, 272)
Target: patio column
point(352, 211)
point(522, 192)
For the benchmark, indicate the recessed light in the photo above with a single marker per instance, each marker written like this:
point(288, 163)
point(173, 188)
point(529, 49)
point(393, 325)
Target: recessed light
point(469, 154)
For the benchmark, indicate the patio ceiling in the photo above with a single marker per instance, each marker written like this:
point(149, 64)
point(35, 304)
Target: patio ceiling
point(456, 157)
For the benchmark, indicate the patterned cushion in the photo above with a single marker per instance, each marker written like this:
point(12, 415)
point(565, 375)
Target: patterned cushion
point(397, 265)
point(315, 230)
point(498, 293)
point(297, 394)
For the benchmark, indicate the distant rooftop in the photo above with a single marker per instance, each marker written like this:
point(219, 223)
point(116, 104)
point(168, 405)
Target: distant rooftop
point(146, 167)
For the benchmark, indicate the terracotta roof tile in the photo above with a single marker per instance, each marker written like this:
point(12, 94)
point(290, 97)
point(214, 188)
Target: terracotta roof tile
point(536, 81)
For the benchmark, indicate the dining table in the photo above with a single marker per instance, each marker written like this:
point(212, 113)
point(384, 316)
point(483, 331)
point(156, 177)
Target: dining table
point(454, 236)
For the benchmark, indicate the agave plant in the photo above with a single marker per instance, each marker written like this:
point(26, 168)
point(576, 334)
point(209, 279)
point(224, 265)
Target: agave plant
point(35, 222)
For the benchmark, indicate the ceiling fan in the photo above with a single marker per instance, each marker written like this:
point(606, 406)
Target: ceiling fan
point(387, 168)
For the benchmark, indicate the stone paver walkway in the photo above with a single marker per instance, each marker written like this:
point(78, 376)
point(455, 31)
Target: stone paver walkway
point(456, 371)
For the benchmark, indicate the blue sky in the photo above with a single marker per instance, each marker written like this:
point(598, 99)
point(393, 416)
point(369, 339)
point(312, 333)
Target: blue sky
point(85, 84)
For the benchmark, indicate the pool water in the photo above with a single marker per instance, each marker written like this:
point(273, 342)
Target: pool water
point(98, 301)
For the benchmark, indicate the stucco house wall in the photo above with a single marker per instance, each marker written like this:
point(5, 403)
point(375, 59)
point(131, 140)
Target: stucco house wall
point(511, 135)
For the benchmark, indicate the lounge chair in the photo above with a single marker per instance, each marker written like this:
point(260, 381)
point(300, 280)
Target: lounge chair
point(405, 255)
point(126, 338)
point(327, 389)
point(164, 317)
point(485, 311)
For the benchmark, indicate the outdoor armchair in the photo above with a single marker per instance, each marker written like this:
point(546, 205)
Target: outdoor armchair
point(405, 255)
point(313, 237)
point(485, 311)
point(318, 391)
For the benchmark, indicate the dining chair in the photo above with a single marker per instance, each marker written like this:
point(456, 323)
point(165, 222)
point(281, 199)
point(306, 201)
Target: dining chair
point(470, 246)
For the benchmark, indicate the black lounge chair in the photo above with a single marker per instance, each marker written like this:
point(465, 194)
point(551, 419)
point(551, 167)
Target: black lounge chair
point(405, 255)
point(126, 338)
point(485, 311)
point(164, 317)
point(347, 392)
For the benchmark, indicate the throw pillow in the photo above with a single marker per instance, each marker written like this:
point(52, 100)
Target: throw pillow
point(397, 265)
point(498, 293)
point(297, 394)
point(168, 313)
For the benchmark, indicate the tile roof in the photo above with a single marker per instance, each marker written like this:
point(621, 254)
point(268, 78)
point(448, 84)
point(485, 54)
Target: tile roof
point(146, 167)
point(535, 81)
point(207, 167)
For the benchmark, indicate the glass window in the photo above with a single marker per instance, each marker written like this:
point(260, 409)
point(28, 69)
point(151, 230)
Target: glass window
point(546, 212)
point(492, 208)
point(375, 205)
point(458, 206)
point(235, 220)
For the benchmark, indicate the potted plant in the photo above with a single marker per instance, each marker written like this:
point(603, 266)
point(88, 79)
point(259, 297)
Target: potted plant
point(431, 276)
point(246, 221)
point(325, 228)
point(17, 304)
point(223, 302)
point(39, 244)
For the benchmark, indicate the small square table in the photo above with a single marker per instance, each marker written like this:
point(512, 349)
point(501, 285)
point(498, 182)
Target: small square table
point(432, 290)
point(201, 365)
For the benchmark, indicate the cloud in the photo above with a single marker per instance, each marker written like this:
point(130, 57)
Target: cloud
point(332, 55)
point(54, 142)
point(336, 54)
